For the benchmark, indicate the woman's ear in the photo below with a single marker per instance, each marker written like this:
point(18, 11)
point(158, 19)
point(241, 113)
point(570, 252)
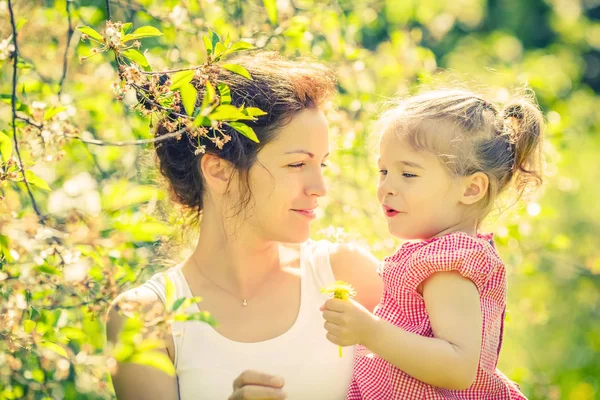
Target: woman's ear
point(475, 188)
point(216, 172)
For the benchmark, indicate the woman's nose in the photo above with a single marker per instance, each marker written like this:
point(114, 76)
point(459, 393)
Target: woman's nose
point(317, 186)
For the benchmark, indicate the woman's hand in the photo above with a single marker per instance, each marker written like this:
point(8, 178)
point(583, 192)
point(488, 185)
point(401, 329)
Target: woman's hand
point(257, 385)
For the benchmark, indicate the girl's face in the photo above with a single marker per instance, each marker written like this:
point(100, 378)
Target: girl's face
point(286, 182)
point(419, 197)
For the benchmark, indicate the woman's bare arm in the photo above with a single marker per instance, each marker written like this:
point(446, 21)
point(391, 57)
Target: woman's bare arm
point(358, 267)
point(135, 381)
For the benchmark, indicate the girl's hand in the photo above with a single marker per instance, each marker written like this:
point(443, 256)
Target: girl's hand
point(347, 322)
point(257, 385)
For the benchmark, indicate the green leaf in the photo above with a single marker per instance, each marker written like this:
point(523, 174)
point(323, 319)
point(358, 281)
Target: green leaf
point(156, 359)
point(73, 333)
point(219, 50)
point(51, 112)
point(207, 101)
point(244, 130)
point(210, 92)
point(271, 6)
point(48, 269)
point(188, 97)
point(142, 32)
point(36, 180)
point(6, 146)
point(126, 27)
point(22, 64)
point(237, 46)
point(254, 111)
point(28, 325)
point(224, 93)
point(202, 120)
point(207, 44)
point(181, 78)
point(33, 312)
point(136, 56)
point(55, 348)
point(91, 33)
point(228, 112)
point(214, 38)
point(170, 293)
point(177, 304)
point(150, 344)
point(237, 69)
point(186, 302)
point(21, 22)
point(201, 316)
point(121, 194)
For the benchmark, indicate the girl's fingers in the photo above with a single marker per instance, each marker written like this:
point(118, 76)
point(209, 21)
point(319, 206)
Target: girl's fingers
point(332, 328)
point(335, 305)
point(333, 316)
point(333, 339)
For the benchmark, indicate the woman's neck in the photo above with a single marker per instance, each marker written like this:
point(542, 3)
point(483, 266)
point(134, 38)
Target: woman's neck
point(240, 261)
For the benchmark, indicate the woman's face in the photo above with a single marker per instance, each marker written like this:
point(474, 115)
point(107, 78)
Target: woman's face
point(286, 181)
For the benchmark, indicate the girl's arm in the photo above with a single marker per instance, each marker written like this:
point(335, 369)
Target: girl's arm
point(449, 360)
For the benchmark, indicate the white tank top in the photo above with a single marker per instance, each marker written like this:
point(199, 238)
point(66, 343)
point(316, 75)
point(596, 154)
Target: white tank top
point(207, 363)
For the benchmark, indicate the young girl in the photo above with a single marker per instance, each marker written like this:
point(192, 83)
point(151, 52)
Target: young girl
point(444, 158)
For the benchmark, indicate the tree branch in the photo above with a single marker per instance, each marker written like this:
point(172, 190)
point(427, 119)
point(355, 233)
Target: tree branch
point(70, 32)
point(14, 111)
point(131, 143)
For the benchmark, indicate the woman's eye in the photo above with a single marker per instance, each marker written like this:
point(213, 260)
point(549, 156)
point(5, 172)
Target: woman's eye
point(298, 165)
point(323, 165)
point(383, 172)
point(409, 175)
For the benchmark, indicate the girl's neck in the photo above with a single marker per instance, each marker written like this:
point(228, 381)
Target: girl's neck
point(469, 227)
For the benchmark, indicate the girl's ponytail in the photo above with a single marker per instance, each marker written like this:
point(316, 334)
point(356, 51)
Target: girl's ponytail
point(522, 123)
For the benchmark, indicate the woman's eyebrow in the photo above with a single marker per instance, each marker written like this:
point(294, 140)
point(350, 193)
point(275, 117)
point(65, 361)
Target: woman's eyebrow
point(308, 153)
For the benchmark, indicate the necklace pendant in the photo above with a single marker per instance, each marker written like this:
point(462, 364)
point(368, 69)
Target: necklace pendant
point(245, 302)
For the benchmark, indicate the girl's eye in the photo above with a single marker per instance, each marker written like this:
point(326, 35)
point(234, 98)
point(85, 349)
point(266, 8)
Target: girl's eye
point(383, 172)
point(323, 165)
point(409, 175)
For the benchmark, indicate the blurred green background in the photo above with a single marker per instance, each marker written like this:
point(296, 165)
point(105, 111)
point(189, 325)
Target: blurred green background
point(111, 222)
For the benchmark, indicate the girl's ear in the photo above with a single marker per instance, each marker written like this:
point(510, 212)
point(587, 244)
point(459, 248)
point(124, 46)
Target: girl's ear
point(216, 172)
point(475, 188)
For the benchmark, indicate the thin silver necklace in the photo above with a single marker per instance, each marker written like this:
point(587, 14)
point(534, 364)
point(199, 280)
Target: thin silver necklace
point(243, 300)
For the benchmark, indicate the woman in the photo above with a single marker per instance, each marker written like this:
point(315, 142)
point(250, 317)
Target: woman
point(269, 341)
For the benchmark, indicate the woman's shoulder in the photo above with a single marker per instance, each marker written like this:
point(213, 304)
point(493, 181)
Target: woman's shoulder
point(146, 300)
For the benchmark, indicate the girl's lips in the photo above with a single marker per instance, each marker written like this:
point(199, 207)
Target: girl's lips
point(390, 212)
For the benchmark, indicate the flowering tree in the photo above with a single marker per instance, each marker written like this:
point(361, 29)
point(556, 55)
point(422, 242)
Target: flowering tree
point(82, 84)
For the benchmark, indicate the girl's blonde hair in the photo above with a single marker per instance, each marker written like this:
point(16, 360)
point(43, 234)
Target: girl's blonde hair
point(470, 134)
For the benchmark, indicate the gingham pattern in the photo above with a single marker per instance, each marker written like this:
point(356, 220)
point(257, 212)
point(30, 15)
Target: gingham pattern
point(401, 304)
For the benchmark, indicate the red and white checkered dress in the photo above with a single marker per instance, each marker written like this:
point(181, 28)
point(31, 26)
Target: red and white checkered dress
point(402, 305)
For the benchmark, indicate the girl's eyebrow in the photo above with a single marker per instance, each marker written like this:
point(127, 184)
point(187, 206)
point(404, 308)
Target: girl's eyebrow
point(411, 164)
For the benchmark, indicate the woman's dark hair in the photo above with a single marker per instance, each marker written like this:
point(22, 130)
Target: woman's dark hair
point(280, 87)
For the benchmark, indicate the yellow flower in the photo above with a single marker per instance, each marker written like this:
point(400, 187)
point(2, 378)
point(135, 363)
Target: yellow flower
point(340, 290)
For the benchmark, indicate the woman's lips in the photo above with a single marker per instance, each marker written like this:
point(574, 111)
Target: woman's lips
point(308, 213)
